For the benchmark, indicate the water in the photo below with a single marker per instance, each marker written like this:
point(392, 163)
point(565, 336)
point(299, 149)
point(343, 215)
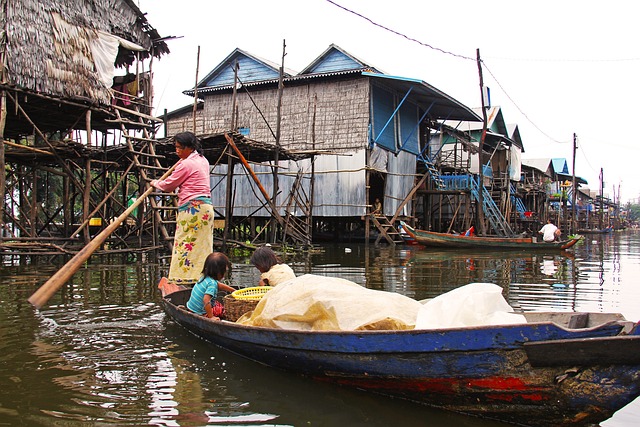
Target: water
point(102, 353)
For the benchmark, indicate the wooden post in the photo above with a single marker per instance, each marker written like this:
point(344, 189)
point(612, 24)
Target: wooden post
point(229, 194)
point(228, 202)
point(86, 200)
point(312, 183)
point(3, 122)
point(276, 157)
point(574, 211)
point(33, 212)
point(601, 217)
point(234, 98)
point(195, 92)
point(3, 172)
point(483, 229)
point(87, 182)
point(253, 175)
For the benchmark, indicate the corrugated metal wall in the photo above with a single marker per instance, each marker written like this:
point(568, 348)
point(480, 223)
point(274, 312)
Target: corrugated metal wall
point(339, 189)
point(340, 186)
point(400, 180)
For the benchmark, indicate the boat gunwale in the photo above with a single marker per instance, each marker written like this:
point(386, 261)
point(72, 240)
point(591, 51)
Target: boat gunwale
point(551, 330)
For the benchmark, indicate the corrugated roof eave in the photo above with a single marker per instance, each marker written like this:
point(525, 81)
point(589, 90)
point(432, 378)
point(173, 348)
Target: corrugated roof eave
point(267, 82)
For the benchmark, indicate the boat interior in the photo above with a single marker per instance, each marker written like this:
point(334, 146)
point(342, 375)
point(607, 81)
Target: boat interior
point(567, 320)
point(571, 320)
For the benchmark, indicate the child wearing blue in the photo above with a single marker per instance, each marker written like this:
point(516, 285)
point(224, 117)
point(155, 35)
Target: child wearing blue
point(204, 292)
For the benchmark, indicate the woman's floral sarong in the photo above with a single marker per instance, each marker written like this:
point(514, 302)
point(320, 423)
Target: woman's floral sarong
point(193, 241)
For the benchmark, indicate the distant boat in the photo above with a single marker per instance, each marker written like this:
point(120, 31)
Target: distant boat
point(557, 369)
point(595, 230)
point(431, 238)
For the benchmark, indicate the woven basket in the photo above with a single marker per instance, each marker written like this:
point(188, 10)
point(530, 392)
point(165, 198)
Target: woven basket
point(243, 301)
point(235, 308)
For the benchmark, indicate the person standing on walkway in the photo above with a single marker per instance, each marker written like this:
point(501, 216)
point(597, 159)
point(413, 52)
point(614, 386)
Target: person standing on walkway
point(193, 240)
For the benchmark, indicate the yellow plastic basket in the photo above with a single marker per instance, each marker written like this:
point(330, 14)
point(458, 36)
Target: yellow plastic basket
point(254, 293)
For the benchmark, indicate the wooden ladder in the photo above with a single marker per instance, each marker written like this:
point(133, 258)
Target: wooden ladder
point(298, 228)
point(164, 206)
point(387, 230)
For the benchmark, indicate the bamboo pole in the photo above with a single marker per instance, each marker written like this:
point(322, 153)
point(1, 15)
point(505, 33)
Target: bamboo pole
point(3, 171)
point(483, 229)
point(195, 92)
point(574, 222)
point(255, 179)
point(55, 282)
point(276, 159)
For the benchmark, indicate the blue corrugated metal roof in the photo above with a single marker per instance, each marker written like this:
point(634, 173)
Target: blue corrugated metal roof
point(333, 62)
point(251, 69)
point(336, 59)
point(442, 105)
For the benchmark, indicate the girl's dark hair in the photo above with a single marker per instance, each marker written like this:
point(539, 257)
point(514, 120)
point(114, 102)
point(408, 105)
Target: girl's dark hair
point(216, 265)
point(189, 140)
point(264, 258)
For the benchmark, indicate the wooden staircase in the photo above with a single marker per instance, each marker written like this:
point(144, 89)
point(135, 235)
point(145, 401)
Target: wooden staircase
point(387, 230)
point(164, 208)
point(298, 228)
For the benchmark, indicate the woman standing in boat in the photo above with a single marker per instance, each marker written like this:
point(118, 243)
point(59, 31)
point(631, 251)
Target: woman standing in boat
point(193, 240)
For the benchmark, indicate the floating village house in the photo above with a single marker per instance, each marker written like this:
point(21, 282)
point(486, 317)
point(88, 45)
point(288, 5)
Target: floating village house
point(550, 193)
point(363, 132)
point(458, 155)
point(62, 108)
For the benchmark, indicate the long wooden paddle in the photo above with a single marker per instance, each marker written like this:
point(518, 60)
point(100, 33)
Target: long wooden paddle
point(55, 282)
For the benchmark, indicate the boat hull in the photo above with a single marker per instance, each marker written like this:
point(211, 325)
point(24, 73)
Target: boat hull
point(481, 371)
point(596, 230)
point(444, 240)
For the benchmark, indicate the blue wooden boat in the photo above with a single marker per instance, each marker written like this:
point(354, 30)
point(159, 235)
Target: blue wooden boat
point(446, 240)
point(557, 369)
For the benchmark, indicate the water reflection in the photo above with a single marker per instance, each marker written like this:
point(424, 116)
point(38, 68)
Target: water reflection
point(102, 352)
point(238, 391)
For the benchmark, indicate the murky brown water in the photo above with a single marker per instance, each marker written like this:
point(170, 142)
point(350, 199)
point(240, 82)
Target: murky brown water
point(102, 353)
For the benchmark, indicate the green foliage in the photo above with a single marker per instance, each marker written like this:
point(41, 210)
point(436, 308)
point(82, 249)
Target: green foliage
point(633, 212)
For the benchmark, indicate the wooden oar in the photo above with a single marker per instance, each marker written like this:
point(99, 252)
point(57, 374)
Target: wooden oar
point(55, 282)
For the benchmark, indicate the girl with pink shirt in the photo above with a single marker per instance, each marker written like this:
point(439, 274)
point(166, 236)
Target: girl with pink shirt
point(193, 240)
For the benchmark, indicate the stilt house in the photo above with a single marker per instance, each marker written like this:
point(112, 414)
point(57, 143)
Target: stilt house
point(58, 62)
point(364, 132)
point(557, 182)
point(457, 153)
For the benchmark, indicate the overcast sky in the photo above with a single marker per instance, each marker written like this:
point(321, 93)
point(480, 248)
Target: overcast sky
point(555, 67)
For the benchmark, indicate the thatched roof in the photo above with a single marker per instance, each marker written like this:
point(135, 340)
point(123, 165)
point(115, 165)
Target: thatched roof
point(67, 49)
point(51, 45)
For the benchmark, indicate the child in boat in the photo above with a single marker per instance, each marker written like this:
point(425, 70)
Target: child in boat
point(204, 292)
point(273, 270)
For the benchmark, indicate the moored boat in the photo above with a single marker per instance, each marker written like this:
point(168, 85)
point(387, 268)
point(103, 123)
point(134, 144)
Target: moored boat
point(559, 368)
point(431, 238)
point(605, 230)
